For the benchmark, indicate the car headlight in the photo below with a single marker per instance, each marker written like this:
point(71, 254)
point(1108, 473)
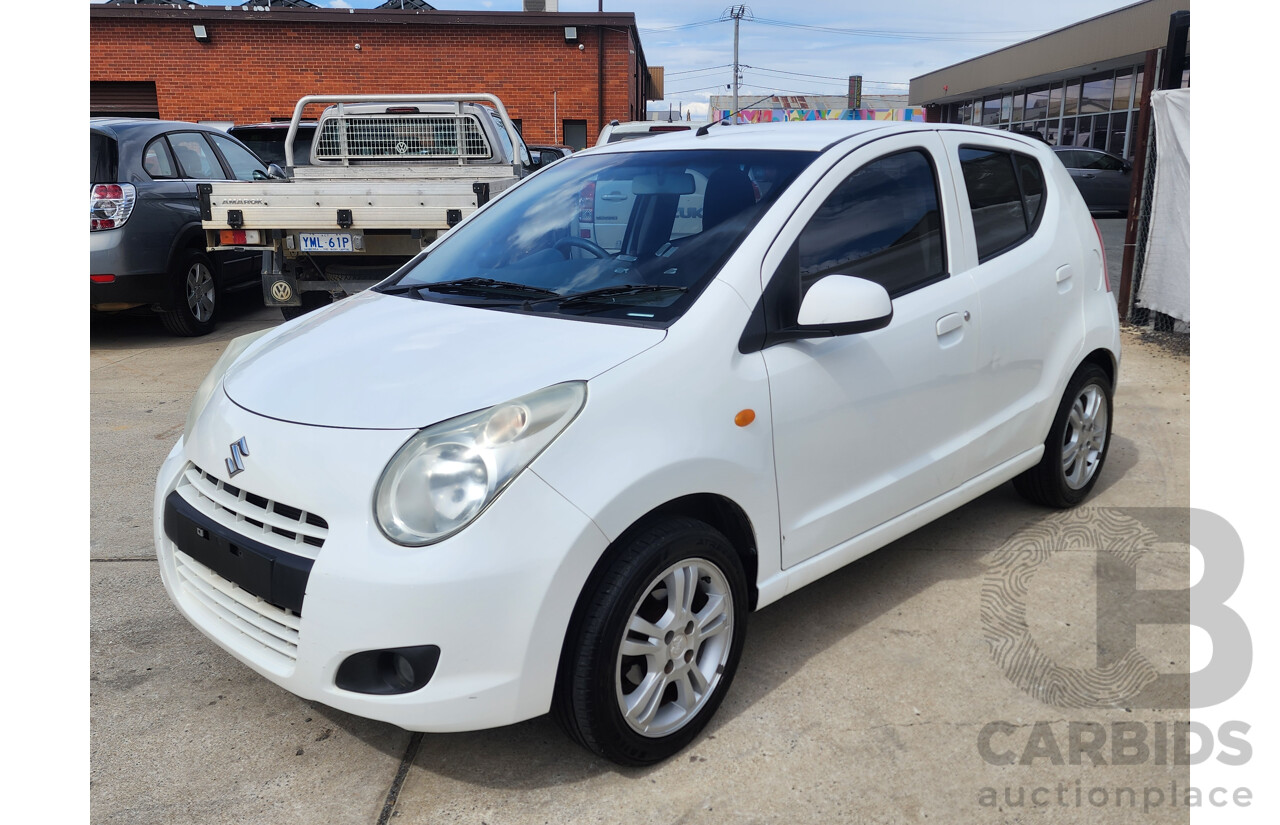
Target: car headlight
point(445, 476)
point(235, 348)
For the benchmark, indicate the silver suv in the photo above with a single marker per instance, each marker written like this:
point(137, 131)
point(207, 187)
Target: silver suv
point(146, 244)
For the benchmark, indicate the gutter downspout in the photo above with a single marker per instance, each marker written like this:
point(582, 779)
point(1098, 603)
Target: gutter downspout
point(599, 79)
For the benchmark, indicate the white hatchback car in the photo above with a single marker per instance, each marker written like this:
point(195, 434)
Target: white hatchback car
point(526, 474)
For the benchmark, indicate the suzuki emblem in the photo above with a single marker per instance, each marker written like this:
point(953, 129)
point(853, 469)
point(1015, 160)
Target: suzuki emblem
point(239, 450)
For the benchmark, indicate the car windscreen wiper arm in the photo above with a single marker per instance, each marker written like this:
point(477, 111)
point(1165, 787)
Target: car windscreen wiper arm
point(465, 285)
point(617, 291)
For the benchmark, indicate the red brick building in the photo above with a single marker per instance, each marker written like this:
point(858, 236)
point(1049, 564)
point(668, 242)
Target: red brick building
point(560, 75)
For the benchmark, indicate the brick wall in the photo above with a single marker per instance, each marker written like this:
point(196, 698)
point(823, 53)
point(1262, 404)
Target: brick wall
point(256, 69)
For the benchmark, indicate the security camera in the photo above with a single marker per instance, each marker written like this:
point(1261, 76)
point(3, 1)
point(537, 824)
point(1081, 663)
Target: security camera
point(582, 47)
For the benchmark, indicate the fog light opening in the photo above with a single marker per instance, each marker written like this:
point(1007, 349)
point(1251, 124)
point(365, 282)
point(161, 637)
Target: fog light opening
point(388, 672)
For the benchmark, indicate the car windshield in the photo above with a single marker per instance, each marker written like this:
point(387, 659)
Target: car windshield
point(631, 237)
point(268, 144)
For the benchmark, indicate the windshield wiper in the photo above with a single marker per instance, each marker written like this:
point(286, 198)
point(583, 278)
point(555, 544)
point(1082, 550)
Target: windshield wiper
point(618, 291)
point(464, 286)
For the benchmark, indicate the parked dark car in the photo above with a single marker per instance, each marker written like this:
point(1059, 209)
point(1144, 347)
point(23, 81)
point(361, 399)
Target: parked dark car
point(267, 140)
point(1103, 178)
point(146, 243)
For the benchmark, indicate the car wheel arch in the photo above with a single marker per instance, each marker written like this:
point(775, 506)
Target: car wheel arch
point(189, 238)
point(716, 511)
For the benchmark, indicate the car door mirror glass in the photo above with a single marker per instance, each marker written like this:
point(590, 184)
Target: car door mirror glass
point(844, 304)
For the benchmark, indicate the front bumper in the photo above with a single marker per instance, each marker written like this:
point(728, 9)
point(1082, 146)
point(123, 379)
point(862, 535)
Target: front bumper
point(495, 598)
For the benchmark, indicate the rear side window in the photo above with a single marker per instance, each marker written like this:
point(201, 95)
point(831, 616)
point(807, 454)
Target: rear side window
point(196, 157)
point(881, 223)
point(102, 158)
point(1006, 197)
point(242, 162)
point(156, 160)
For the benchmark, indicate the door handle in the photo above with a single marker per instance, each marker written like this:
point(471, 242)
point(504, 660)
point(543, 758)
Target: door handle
point(613, 196)
point(951, 322)
point(1064, 273)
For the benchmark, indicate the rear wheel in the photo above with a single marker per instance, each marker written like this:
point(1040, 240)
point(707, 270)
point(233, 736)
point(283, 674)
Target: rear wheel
point(1077, 444)
point(193, 302)
point(656, 646)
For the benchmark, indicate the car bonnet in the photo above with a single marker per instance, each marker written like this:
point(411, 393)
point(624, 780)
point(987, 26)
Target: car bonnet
point(378, 361)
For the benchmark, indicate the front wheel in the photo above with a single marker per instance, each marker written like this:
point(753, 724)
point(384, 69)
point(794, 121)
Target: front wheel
point(656, 645)
point(193, 301)
point(1077, 444)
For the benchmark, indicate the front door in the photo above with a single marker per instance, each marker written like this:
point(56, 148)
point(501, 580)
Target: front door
point(868, 426)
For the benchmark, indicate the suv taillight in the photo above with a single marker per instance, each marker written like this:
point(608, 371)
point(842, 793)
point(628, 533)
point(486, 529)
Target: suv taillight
point(110, 205)
point(587, 203)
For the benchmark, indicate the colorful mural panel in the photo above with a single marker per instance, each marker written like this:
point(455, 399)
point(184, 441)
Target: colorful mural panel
point(914, 113)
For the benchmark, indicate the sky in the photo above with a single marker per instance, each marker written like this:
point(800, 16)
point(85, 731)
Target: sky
point(809, 47)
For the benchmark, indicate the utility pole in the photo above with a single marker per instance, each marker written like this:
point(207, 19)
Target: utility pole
point(737, 13)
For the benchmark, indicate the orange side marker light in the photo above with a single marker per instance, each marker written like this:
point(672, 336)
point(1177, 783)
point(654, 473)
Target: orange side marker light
point(744, 417)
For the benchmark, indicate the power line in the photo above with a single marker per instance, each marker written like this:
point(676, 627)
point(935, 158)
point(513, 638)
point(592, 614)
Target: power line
point(826, 76)
point(883, 34)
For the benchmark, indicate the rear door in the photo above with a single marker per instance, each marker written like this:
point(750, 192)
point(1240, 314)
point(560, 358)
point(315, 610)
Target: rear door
point(1023, 256)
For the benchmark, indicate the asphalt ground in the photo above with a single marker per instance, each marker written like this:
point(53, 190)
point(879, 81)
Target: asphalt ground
point(884, 693)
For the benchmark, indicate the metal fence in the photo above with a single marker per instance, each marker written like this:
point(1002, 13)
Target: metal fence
point(1136, 314)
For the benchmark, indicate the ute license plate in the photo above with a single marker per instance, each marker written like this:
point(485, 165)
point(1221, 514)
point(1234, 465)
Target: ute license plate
point(325, 242)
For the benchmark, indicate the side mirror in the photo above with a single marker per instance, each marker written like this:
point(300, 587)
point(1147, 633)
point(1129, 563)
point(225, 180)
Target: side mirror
point(844, 305)
point(1128, 167)
point(275, 172)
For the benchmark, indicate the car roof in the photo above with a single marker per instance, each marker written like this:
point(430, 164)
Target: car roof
point(813, 136)
point(807, 135)
point(128, 125)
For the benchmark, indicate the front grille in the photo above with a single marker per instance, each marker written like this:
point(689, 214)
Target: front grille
point(274, 628)
point(273, 523)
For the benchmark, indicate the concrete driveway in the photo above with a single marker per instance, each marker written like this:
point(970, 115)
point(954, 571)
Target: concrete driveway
point(884, 693)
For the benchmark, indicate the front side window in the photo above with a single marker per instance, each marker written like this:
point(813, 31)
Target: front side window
point(1101, 162)
point(881, 223)
point(630, 236)
point(1006, 197)
point(242, 162)
point(196, 156)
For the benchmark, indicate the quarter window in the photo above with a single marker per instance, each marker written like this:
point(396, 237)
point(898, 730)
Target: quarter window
point(156, 160)
point(882, 223)
point(1006, 196)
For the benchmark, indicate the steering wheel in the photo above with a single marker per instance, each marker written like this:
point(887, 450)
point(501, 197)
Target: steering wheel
point(565, 244)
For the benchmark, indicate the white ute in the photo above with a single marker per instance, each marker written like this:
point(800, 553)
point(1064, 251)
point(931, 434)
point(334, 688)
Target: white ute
point(387, 175)
point(528, 474)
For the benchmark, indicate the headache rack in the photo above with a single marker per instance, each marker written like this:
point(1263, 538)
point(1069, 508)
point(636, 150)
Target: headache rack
point(402, 136)
point(399, 131)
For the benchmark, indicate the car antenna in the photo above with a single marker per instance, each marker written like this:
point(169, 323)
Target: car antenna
point(726, 120)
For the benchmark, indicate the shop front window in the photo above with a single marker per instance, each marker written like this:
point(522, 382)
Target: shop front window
point(1098, 91)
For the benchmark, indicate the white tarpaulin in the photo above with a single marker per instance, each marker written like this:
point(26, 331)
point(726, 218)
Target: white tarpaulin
point(1166, 271)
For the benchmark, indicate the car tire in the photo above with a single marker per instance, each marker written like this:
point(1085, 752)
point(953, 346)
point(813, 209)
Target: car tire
point(1077, 444)
point(645, 667)
point(310, 301)
point(193, 305)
